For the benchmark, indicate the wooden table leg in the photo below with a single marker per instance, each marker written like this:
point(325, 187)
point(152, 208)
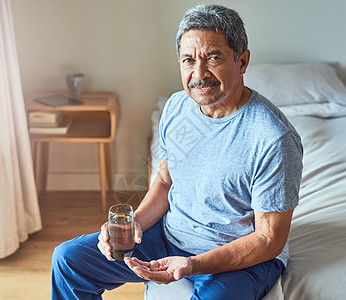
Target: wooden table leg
point(45, 165)
point(102, 166)
point(37, 165)
point(108, 166)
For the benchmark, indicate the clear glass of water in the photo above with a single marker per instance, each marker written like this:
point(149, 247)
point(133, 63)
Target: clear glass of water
point(121, 230)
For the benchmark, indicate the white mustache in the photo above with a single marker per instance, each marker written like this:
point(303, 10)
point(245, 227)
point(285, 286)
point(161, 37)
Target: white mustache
point(203, 82)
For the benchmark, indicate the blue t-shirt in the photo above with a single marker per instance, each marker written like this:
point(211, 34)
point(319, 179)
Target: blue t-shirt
point(224, 169)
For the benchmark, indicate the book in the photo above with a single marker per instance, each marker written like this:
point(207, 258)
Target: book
point(58, 100)
point(61, 127)
point(46, 124)
point(42, 117)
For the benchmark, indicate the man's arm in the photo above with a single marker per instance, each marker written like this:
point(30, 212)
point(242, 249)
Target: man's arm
point(266, 242)
point(155, 203)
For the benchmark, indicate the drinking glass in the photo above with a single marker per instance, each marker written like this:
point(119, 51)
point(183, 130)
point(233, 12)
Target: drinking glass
point(121, 230)
point(75, 83)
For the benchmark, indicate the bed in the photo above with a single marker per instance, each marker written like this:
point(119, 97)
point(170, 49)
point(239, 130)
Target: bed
point(314, 100)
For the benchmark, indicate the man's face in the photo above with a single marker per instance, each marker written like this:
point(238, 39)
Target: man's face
point(208, 70)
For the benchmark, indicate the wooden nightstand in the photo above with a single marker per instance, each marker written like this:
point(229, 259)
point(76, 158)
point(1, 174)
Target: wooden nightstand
point(92, 122)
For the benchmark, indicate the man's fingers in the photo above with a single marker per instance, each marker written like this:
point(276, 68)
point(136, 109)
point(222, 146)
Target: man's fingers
point(105, 251)
point(104, 232)
point(135, 262)
point(138, 233)
point(143, 263)
point(103, 244)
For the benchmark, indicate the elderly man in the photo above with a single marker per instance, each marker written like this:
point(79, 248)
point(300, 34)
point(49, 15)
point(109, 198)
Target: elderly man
point(220, 209)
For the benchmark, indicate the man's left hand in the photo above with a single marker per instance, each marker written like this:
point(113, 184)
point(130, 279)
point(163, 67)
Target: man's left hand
point(164, 270)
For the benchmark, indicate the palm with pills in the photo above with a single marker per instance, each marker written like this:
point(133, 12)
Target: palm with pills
point(164, 270)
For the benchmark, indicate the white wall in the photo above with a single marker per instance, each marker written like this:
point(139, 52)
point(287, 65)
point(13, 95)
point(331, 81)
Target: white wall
point(128, 47)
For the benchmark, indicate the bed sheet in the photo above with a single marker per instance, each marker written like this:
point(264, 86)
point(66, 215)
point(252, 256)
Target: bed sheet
point(317, 240)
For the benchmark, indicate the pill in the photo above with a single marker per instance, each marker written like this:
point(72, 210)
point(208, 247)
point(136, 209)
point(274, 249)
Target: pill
point(163, 268)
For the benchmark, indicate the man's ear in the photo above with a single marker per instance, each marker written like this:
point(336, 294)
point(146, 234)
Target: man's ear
point(244, 60)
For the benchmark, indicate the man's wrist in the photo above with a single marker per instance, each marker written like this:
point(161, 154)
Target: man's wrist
point(194, 265)
point(138, 218)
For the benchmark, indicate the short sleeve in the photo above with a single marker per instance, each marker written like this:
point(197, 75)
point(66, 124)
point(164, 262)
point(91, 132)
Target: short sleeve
point(277, 179)
point(162, 136)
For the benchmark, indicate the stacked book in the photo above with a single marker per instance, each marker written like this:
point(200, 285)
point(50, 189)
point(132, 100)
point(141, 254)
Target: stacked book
point(48, 122)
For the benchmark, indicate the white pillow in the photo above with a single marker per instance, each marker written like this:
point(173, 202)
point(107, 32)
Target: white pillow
point(292, 84)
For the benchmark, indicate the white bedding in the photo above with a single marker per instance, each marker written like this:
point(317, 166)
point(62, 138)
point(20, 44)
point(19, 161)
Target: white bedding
point(317, 240)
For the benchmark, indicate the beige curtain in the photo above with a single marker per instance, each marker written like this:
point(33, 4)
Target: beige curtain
point(19, 210)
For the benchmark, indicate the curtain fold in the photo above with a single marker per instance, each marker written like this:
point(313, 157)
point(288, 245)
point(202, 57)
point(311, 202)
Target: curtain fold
point(19, 209)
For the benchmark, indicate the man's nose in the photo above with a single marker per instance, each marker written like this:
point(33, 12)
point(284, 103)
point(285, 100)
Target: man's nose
point(201, 70)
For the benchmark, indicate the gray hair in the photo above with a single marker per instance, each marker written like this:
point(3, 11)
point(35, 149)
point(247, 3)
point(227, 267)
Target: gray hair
point(219, 19)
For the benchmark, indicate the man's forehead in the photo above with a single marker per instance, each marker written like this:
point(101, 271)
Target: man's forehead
point(203, 35)
point(208, 42)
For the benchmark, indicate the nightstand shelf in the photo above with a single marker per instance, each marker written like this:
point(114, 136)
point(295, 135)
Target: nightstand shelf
point(92, 122)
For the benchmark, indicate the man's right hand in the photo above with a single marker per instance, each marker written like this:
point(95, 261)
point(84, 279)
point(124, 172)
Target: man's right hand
point(104, 244)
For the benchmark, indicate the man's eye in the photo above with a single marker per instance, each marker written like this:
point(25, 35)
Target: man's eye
point(214, 58)
point(187, 60)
